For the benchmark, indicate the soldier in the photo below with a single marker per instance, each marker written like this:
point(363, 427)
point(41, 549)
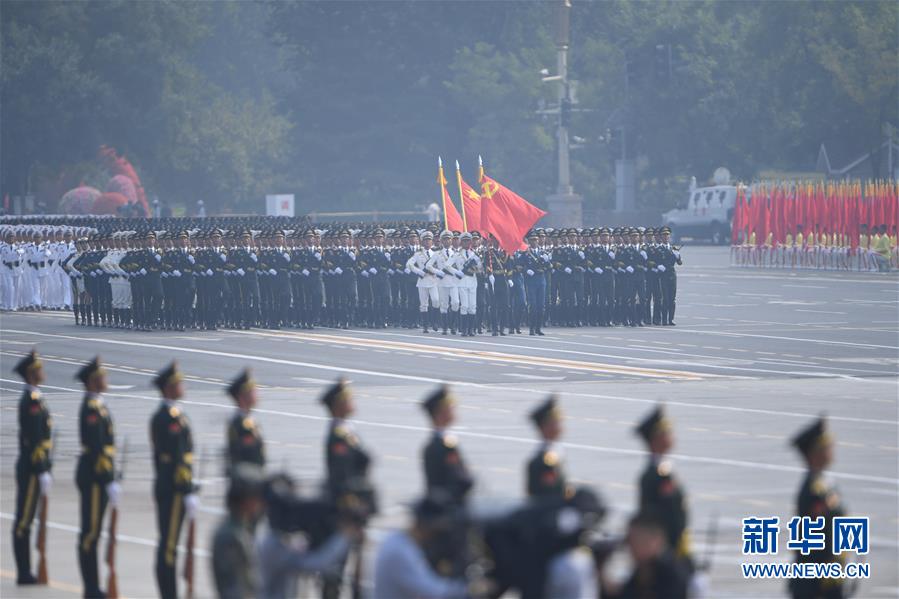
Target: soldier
point(660, 492)
point(279, 282)
point(604, 267)
point(245, 261)
point(234, 564)
point(151, 286)
point(669, 258)
point(445, 470)
point(95, 473)
point(469, 264)
point(495, 266)
point(379, 265)
point(545, 476)
point(33, 465)
point(173, 487)
point(534, 263)
point(312, 279)
point(346, 461)
point(441, 265)
point(818, 499)
point(244, 437)
point(428, 296)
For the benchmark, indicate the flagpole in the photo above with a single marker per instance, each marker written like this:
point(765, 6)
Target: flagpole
point(440, 179)
point(461, 197)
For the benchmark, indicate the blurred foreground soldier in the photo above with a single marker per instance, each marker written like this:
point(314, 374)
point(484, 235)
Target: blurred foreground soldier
point(33, 465)
point(660, 493)
point(173, 488)
point(657, 574)
point(234, 563)
point(544, 471)
point(95, 473)
point(347, 464)
point(244, 438)
point(817, 498)
point(285, 554)
point(402, 570)
point(445, 470)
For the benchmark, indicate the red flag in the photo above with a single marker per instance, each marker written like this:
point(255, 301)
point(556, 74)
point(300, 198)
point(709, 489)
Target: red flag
point(737, 223)
point(451, 219)
point(508, 216)
point(471, 204)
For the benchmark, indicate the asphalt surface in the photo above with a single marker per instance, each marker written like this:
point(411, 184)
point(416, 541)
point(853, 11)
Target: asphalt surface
point(755, 355)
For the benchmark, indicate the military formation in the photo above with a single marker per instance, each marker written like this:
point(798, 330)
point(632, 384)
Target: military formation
point(543, 548)
point(130, 274)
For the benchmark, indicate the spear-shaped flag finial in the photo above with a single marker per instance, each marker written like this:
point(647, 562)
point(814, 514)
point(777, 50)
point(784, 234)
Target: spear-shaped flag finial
point(457, 166)
point(439, 162)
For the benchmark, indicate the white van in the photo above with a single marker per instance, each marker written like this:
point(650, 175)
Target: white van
point(707, 214)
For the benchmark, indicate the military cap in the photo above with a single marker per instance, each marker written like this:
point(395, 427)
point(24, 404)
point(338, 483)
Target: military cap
point(812, 436)
point(475, 234)
point(168, 375)
point(427, 235)
point(278, 233)
point(649, 231)
point(665, 229)
point(29, 363)
point(241, 383)
point(465, 235)
point(309, 233)
point(183, 235)
point(93, 367)
point(655, 422)
point(545, 411)
point(532, 234)
point(437, 398)
point(335, 392)
point(446, 234)
point(378, 233)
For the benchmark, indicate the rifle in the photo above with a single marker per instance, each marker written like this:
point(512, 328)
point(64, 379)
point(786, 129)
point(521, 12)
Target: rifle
point(112, 583)
point(42, 576)
point(191, 539)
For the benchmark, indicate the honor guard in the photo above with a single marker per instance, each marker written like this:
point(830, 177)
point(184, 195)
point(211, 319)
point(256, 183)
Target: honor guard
point(244, 438)
point(445, 470)
point(660, 493)
point(33, 464)
point(534, 263)
point(95, 473)
point(544, 471)
point(174, 488)
point(818, 498)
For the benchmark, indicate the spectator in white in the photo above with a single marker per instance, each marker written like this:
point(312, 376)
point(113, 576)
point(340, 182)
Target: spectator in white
point(433, 212)
point(401, 569)
point(201, 209)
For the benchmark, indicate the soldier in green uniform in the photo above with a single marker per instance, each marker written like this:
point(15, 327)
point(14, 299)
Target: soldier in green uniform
point(661, 495)
point(174, 488)
point(445, 470)
point(95, 473)
point(545, 475)
point(244, 438)
point(33, 465)
point(818, 498)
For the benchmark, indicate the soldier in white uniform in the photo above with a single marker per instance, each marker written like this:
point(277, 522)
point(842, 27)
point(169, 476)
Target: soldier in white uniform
point(469, 264)
point(448, 284)
point(418, 264)
point(8, 259)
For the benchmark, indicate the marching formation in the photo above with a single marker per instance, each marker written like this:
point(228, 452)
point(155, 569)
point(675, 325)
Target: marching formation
point(129, 274)
point(546, 547)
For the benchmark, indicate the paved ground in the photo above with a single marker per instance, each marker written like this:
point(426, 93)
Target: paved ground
point(755, 355)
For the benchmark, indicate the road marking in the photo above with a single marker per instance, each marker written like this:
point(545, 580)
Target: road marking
point(820, 311)
point(780, 338)
point(53, 584)
point(534, 377)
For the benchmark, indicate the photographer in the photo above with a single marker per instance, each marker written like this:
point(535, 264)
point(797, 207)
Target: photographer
point(284, 554)
point(401, 566)
point(233, 553)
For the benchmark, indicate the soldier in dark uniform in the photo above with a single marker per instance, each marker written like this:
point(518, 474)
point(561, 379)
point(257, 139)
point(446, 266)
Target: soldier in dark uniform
point(246, 260)
point(173, 488)
point(533, 264)
point(445, 470)
point(495, 267)
point(638, 261)
point(279, 261)
point(818, 498)
point(264, 277)
point(33, 464)
point(179, 266)
point(652, 312)
point(95, 473)
point(545, 476)
point(311, 273)
point(604, 261)
point(378, 260)
point(131, 264)
point(244, 437)
point(151, 268)
point(346, 461)
point(669, 258)
point(660, 492)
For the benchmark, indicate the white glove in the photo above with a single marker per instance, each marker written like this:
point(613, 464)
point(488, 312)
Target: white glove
point(630, 269)
point(387, 255)
point(338, 271)
point(352, 255)
point(364, 273)
point(208, 272)
point(530, 272)
point(305, 272)
point(113, 492)
point(492, 279)
point(373, 270)
point(612, 255)
point(241, 272)
point(511, 284)
point(253, 257)
point(547, 258)
point(390, 271)
point(440, 275)
point(176, 272)
point(143, 271)
point(567, 270)
point(164, 275)
point(597, 270)
point(408, 271)
point(46, 482)
point(677, 254)
point(223, 257)
point(158, 257)
point(286, 256)
point(661, 268)
point(191, 259)
point(643, 253)
point(458, 275)
point(317, 255)
point(93, 274)
point(191, 503)
point(581, 254)
point(272, 271)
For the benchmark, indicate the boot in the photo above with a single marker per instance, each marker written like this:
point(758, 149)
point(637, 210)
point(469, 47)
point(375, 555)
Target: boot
point(539, 328)
point(76, 308)
point(424, 321)
point(532, 320)
point(453, 316)
point(443, 319)
point(23, 560)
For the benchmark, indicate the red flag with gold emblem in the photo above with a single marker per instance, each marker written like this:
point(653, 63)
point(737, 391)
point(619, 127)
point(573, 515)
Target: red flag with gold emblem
point(471, 204)
point(506, 215)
